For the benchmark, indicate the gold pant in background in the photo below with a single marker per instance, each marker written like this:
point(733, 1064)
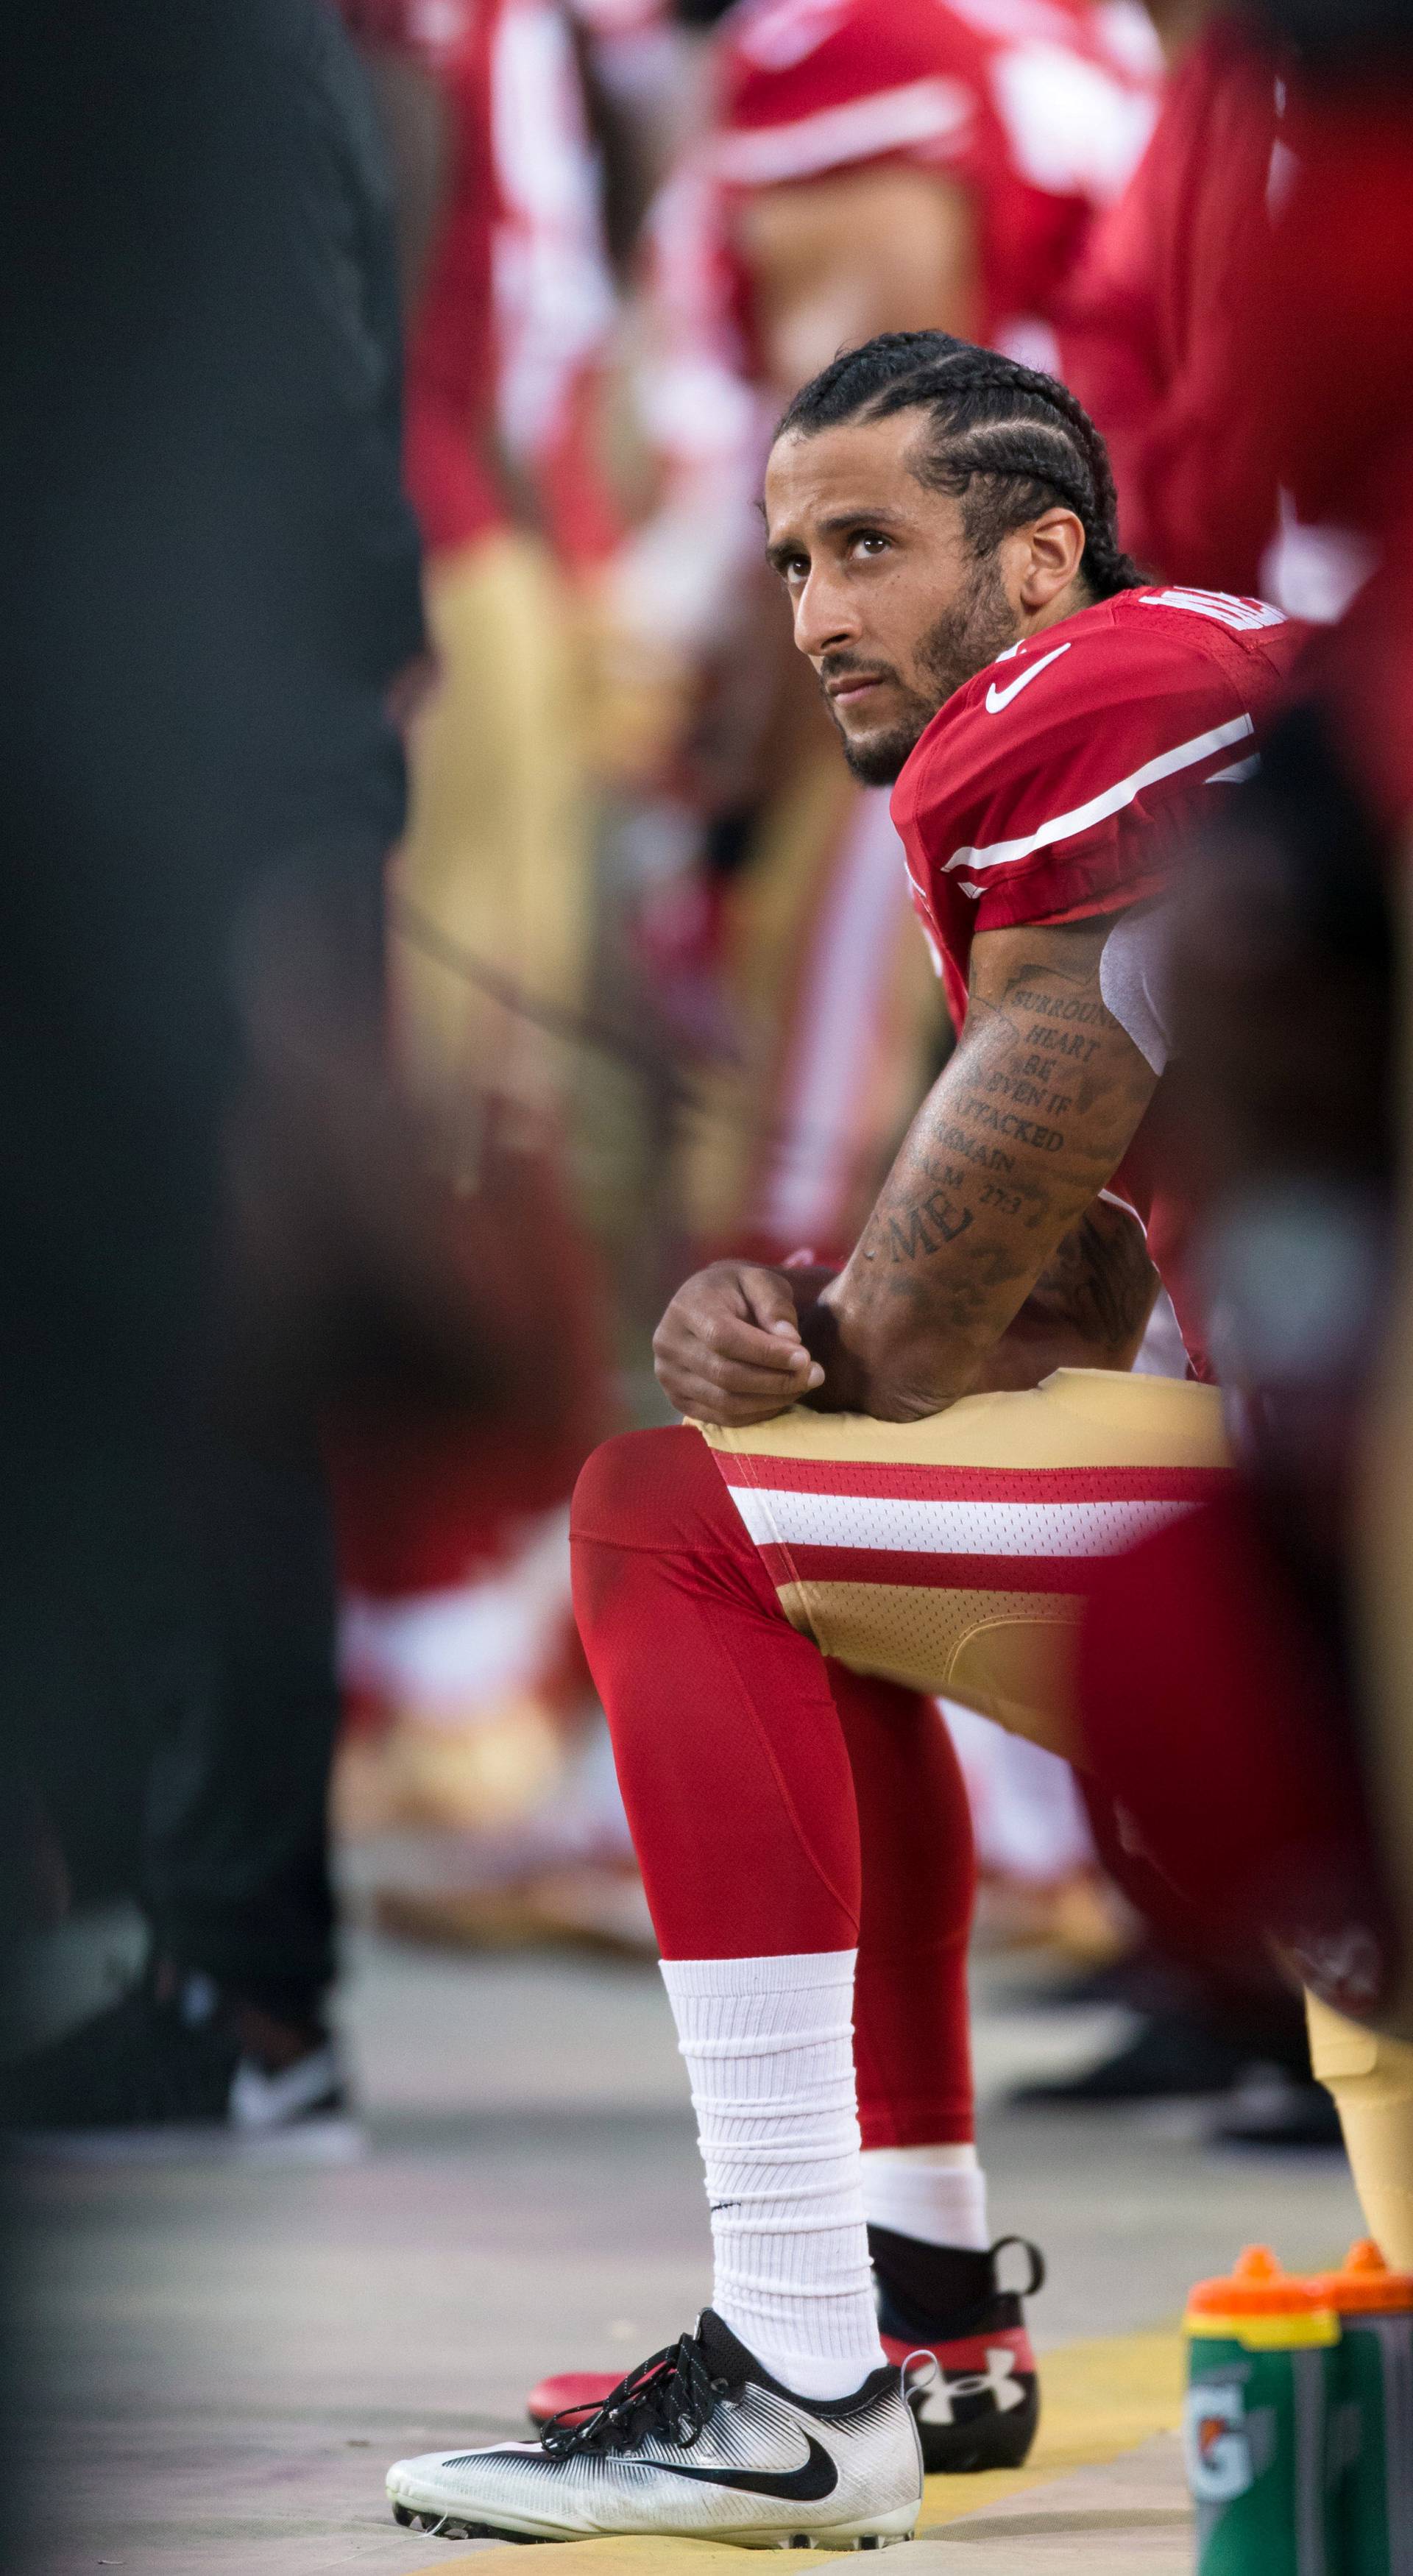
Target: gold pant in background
point(498, 848)
point(1371, 2079)
point(837, 1016)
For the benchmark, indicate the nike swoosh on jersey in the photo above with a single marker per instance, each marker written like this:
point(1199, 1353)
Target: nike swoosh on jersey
point(996, 698)
point(815, 2478)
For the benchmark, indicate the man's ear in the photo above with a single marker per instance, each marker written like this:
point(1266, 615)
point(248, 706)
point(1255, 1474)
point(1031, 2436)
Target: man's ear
point(1053, 553)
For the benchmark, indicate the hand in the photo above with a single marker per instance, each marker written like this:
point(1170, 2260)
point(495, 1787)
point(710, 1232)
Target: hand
point(728, 1349)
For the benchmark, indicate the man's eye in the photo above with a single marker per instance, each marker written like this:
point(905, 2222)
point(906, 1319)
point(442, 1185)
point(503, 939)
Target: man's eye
point(869, 541)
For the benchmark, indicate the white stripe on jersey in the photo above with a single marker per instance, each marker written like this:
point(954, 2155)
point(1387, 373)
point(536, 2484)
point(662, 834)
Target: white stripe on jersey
point(1063, 827)
point(783, 1519)
point(921, 111)
point(1243, 616)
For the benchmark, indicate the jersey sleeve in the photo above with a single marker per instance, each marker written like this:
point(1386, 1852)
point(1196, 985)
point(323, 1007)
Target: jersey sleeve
point(808, 88)
point(1053, 792)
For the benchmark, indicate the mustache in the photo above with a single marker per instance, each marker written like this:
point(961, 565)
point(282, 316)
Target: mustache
point(851, 666)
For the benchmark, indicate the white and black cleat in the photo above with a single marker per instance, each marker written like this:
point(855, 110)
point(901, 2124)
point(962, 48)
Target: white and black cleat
point(700, 2443)
point(978, 2408)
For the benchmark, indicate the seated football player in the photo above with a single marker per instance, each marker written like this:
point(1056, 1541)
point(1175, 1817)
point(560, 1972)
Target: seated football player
point(891, 1482)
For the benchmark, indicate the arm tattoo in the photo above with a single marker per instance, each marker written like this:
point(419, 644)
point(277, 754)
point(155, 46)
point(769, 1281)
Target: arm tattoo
point(1100, 1281)
point(992, 1196)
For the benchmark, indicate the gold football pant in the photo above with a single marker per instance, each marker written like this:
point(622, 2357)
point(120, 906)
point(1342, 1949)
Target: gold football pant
point(949, 1554)
point(496, 858)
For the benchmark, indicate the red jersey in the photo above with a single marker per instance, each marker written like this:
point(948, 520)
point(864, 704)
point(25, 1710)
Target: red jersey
point(1055, 786)
point(1155, 327)
point(518, 299)
point(1039, 108)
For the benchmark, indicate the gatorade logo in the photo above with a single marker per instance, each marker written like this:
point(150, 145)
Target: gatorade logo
point(1216, 2445)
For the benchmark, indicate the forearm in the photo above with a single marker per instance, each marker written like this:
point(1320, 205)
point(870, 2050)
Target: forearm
point(1089, 1309)
point(1006, 1157)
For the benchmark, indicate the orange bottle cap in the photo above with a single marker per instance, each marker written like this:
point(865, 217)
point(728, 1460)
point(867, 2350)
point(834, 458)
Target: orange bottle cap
point(1366, 2286)
point(1257, 2288)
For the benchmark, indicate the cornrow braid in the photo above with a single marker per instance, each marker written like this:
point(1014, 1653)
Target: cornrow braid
point(1006, 441)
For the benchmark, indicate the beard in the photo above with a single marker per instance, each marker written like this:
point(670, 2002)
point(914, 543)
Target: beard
point(978, 625)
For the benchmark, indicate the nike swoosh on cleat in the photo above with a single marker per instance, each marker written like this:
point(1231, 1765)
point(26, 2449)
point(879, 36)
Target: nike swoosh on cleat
point(996, 698)
point(816, 2477)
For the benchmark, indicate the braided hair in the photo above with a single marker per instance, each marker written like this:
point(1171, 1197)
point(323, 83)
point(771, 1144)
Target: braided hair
point(1006, 441)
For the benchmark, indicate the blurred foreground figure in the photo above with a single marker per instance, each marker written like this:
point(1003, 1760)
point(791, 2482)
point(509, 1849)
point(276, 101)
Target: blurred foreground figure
point(220, 1234)
point(217, 585)
point(1276, 1613)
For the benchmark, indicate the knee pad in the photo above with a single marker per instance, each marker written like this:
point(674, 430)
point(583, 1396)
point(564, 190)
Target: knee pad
point(1371, 2079)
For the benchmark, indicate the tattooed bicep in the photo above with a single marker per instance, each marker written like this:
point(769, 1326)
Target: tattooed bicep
point(1099, 1279)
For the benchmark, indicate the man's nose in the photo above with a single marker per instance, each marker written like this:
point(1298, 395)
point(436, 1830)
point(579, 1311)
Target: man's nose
point(824, 620)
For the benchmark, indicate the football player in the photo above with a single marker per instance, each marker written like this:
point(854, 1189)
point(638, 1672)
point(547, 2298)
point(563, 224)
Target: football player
point(873, 165)
point(893, 1480)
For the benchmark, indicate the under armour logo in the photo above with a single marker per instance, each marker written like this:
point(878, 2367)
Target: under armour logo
point(998, 2381)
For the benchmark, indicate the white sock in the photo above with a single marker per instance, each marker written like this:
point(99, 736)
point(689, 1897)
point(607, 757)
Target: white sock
point(769, 2047)
point(935, 2193)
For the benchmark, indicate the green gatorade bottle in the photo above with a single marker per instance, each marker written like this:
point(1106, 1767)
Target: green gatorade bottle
point(1375, 2372)
point(1256, 2431)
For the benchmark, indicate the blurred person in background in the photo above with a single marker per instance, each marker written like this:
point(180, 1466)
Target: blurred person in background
point(474, 1714)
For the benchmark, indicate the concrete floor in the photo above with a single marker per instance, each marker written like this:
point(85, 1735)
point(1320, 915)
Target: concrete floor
point(241, 2348)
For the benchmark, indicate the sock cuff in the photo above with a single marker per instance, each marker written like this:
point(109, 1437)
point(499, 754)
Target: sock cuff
point(949, 2159)
point(769, 1976)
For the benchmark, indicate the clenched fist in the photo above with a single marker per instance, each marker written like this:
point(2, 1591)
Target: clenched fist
point(728, 1349)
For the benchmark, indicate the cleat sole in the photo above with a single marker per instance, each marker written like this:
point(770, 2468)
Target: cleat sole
point(445, 2527)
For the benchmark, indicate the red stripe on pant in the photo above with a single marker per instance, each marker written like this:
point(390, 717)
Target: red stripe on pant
point(924, 1568)
point(779, 1803)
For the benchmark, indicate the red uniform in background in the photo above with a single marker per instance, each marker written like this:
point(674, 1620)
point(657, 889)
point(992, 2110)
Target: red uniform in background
point(504, 346)
point(1155, 326)
point(458, 1621)
point(1038, 109)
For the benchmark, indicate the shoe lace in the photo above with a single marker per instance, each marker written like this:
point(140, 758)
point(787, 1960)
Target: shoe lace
point(671, 2394)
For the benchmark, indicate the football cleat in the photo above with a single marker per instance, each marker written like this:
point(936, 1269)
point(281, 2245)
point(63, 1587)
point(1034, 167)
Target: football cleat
point(700, 2443)
point(982, 2408)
